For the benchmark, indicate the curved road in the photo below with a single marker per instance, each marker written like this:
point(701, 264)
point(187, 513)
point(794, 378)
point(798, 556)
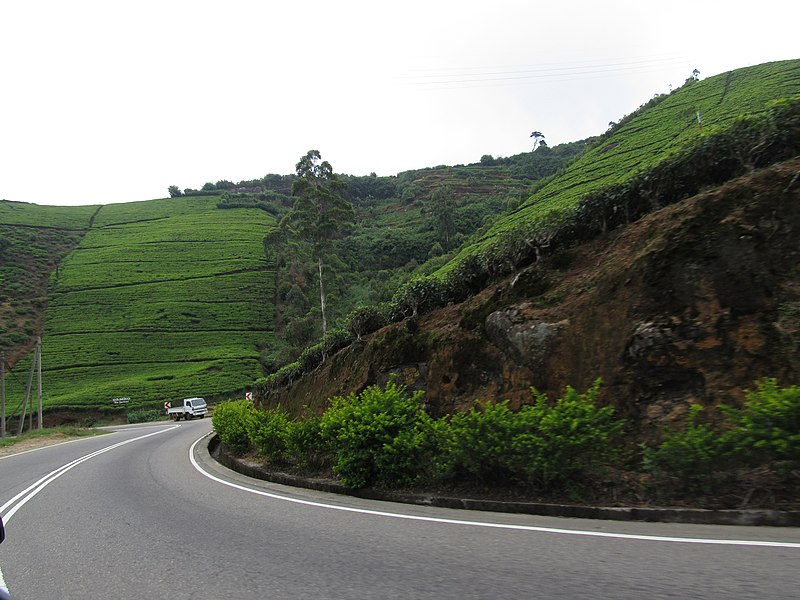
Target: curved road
point(146, 513)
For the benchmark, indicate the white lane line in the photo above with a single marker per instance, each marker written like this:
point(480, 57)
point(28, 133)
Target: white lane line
point(578, 532)
point(110, 429)
point(81, 439)
point(28, 493)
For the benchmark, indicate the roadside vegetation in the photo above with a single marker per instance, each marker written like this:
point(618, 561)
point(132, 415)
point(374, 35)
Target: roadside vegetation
point(50, 435)
point(384, 438)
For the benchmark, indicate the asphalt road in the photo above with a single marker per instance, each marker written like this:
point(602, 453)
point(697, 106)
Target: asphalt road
point(129, 516)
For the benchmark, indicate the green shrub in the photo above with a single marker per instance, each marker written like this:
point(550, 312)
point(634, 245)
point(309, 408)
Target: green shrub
point(380, 437)
point(311, 358)
point(305, 446)
point(768, 427)
point(692, 455)
point(266, 430)
point(541, 443)
point(573, 435)
point(367, 319)
point(334, 340)
point(477, 442)
point(418, 296)
point(144, 416)
point(230, 422)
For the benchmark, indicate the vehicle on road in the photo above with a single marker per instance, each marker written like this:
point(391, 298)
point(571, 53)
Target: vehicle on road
point(189, 409)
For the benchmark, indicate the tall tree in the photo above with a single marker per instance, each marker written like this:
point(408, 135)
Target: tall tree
point(320, 214)
point(538, 139)
point(443, 209)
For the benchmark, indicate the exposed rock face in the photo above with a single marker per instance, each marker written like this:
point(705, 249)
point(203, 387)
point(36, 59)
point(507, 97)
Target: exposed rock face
point(528, 343)
point(691, 304)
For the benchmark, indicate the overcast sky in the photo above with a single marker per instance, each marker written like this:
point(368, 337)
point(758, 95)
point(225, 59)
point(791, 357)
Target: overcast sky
point(113, 101)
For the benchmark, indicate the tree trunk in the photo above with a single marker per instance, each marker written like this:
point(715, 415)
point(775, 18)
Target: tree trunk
point(322, 297)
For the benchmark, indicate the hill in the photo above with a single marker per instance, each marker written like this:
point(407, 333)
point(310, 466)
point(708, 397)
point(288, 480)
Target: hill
point(658, 131)
point(182, 296)
point(160, 299)
point(166, 298)
point(470, 345)
point(675, 309)
point(33, 241)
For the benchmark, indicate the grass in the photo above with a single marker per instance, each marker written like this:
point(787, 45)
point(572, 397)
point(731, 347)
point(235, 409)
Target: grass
point(35, 215)
point(51, 433)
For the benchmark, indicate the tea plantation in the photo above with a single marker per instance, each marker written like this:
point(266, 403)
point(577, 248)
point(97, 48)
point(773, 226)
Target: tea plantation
point(664, 126)
point(161, 300)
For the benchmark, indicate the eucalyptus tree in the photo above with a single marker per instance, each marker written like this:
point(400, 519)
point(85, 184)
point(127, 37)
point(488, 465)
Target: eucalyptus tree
point(538, 139)
point(320, 213)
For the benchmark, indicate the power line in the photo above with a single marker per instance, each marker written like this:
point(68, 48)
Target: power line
point(511, 75)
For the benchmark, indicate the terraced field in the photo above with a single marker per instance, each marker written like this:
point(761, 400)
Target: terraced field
point(162, 299)
point(33, 239)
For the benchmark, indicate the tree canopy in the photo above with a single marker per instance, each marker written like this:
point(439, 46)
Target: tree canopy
point(320, 213)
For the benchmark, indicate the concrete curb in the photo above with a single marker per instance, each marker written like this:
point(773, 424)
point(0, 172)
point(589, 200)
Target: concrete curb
point(773, 518)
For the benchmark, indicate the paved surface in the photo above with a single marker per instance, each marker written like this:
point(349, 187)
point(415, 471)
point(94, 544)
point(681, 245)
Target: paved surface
point(143, 519)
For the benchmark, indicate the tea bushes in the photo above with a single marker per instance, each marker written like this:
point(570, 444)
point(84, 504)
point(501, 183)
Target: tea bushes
point(542, 443)
point(230, 421)
point(384, 437)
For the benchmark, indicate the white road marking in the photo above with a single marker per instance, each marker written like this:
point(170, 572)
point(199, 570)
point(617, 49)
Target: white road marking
point(28, 493)
point(578, 532)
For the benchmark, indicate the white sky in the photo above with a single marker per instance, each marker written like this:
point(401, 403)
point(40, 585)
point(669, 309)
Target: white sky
point(112, 100)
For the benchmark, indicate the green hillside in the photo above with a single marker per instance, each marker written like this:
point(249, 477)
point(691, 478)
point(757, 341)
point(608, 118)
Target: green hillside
point(665, 126)
point(33, 239)
point(161, 299)
point(700, 135)
point(168, 298)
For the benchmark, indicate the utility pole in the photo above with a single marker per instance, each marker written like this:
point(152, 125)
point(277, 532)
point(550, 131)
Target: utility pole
point(2, 394)
point(27, 397)
point(39, 376)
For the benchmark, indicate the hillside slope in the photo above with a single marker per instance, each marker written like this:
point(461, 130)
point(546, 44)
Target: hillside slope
point(161, 299)
point(689, 305)
point(458, 354)
point(660, 129)
point(33, 240)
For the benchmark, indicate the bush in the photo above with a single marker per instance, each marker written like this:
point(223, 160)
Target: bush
point(542, 443)
point(691, 455)
point(266, 430)
point(768, 427)
point(305, 446)
point(230, 422)
point(334, 340)
point(367, 319)
point(144, 416)
point(477, 442)
point(418, 296)
point(380, 437)
point(311, 358)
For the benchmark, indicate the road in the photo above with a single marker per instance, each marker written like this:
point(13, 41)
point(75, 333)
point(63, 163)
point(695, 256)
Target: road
point(146, 513)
